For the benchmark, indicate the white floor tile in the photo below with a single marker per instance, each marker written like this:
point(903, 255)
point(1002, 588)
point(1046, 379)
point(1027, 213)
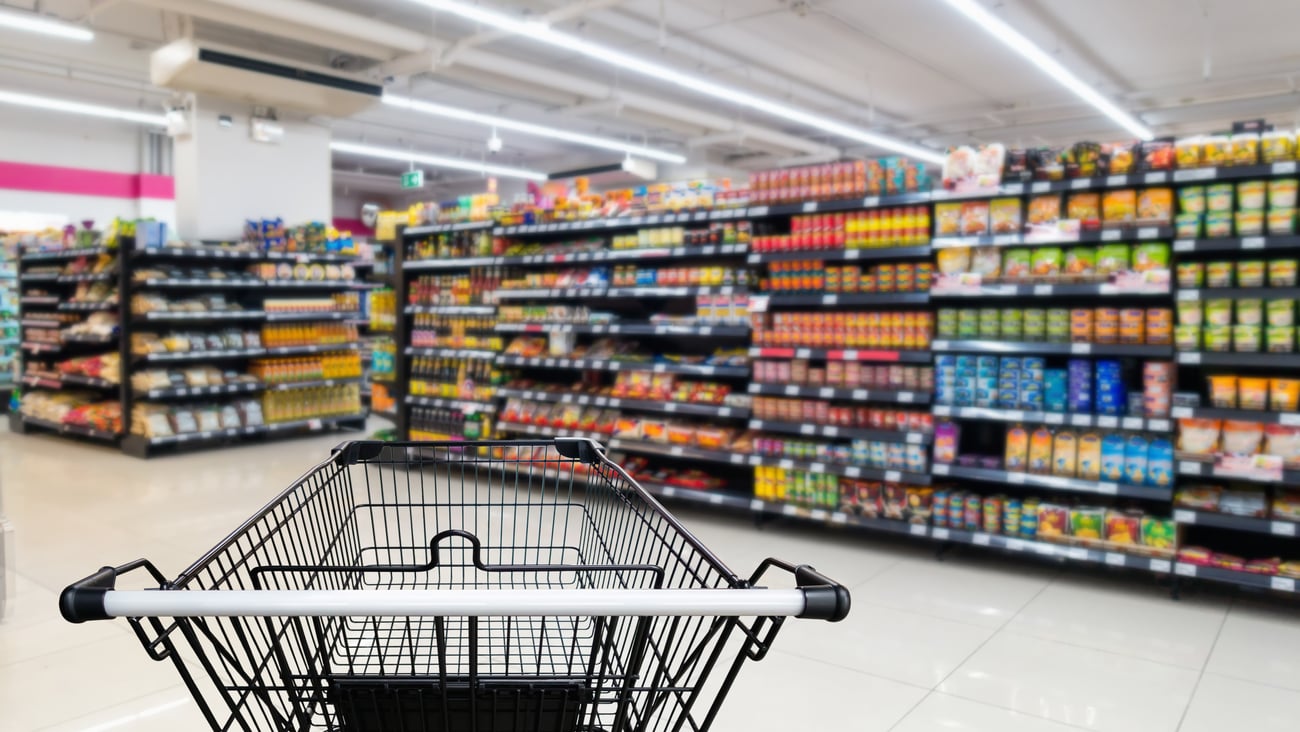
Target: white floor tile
point(1124, 617)
point(1221, 703)
point(966, 590)
point(952, 714)
point(1259, 643)
point(170, 710)
point(1079, 686)
point(784, 692)
point(902, 646)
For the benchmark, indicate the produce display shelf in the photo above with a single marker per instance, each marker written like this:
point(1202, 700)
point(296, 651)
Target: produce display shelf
point(1235, 293)
point(272, 316)
point(63, 254)
point(1066, 289)
point(1117, 234)
point(600, 255)
point(616, 292)
point(452, 352)
point(96, 277)
point(1226, 358)
point(717, 331)
point(845, 354)
point(810, 430)
point(841, 255)
point(70, 429)
point(1250, 524)
point(1074, 420)
point(603, 364)
point(468, 405)
point(649, 405)
point(850, 299)
point(313, 425)
point(1203, 469)
point(834, 468)
point(451, 309)
point(87, 306)
point(841, 394)
point(1291, 419)
point(198, 316)
point(1236, 244)
point(1052, 349)
point(1236, 577)
point(1104, 488)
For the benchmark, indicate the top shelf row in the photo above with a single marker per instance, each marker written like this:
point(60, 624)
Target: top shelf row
point(1099, 182)
point(204, 252)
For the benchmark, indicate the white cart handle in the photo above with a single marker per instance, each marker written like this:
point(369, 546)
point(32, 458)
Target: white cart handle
point(94, 598)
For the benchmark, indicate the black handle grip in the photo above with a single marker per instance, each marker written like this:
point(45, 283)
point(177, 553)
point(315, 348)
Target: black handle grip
point(824, 598)
point(84, 599)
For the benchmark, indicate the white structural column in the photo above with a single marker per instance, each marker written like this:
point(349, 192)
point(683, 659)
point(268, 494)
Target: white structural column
point(224, 177)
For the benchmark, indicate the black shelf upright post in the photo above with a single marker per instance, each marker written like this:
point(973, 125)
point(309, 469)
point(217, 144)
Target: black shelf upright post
point(401, 339)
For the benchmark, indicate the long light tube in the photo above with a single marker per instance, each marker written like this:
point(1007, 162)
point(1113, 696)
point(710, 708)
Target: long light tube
point(543, 33)
point(89, 110)
point(487, 120)
point(33, 23)
point(433, 161)
point(1012, 39)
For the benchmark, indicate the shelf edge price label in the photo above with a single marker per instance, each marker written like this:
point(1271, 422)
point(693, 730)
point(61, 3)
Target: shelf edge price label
point(807, 429)
point(1189, 467)
point(893, 476)
point(939, 469)
point(1285, 167)
point(906, 397)
point(1108, 422)
point(1053, 418)
point(826, 392)
point(981, 539)
point(1081, 348)
point(790, 510)
point(1042, 289)
point(940, 533)
point(1109, 489)
point(914, 438)
point(1110, 235)
point(1116, 180)
point(1016, 478)
point(917, 530)
point(810, 207)
point(1161, 565)
point(830, 299)
point(1191, 359)
point(1040, 187)
point(1184, 245)
point(1182, 516)
point(1282, 528)
point(1115, 559)
point(1252, 242)
point(839, 518)
point(1182, 569)
point(1285, 584)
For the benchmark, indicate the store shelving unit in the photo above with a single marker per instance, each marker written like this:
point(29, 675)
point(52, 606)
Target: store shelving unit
point(10, 332)
point(1157, 500)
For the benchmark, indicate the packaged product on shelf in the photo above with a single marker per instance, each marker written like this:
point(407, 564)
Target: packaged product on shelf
point(1119, 207)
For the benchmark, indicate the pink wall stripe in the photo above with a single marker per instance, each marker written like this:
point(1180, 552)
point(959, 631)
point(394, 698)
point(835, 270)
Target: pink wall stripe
point(356, 226)
point(84, 182)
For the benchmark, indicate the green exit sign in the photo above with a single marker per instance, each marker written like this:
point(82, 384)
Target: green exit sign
point(413, 179)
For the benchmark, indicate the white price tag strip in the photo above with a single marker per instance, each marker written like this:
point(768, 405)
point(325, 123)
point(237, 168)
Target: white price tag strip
point(1160, 565)
point(1115, 559)
point(917, 530)
point(1282, 528)
point(1182, 516)
point(1183, 569)
point(981, 539)
point(940, 533)
point(1285, 584)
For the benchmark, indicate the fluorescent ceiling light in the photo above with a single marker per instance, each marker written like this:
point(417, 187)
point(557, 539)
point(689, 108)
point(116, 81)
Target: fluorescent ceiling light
point(543, 33)
point(89, 110)
point(33, 23)
point(434, 161)
point(1012, 39)
point(604, 143)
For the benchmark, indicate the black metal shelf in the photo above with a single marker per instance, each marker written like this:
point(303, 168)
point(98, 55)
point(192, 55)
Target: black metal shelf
point(642, 405)
point(180, 392)
point(841, 394)
point(845, 354)
point(451, 309)
point(1273, 527)
point(69, 429)
point(776, 300)
point(601, 364)
point(207, 315)
point(1102, 421)
point(1291, 419)
point(1239, 292)
point(594, 226)
point(425, 229)
point(1236, 244)
point(1201, 469)
point(452, 352)
point(87, 306)
point(239, 353)
point(34, 347)
point(1066, 289)
point(1073, 485)
point(617, 292)
point(1236, 577)
point(96, 277)
point(841, 255)
point(678, 451)
point(134, 443)
point(830, 431)
point(64, 254)
point(1051, 349)
point(465, 405)
point(596, 255)
point(715, 331)
point(834, 468)
point(1134, 232)
point(273, 317)
point(1261, 360)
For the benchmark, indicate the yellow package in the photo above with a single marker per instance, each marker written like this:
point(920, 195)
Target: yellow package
point(1065, 454)
point(1040, 451)
point(1017, 456)
point(1089, 458)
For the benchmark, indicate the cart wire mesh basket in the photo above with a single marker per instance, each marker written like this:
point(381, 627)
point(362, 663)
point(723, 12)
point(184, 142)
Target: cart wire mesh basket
point(526, 586)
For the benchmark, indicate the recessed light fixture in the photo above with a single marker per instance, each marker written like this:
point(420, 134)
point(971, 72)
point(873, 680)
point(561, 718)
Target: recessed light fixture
point(543, 33)
point(1011, 38)
point(32, 23)
point(433, 161)
point(90, 110)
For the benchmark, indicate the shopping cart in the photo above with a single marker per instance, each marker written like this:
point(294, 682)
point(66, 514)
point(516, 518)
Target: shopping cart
point(459, 587)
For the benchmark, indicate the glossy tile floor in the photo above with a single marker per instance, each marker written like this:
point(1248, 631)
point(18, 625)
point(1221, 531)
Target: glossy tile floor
point(974, 642)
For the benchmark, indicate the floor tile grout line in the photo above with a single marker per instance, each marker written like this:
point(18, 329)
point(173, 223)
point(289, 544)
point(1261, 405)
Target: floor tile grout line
point(1265, 684)
point(1182, 719)
point(872, 674)
point(1107, 651)
point(977, 648)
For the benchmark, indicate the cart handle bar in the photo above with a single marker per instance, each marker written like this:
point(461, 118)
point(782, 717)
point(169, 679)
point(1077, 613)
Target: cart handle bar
point(79, 604)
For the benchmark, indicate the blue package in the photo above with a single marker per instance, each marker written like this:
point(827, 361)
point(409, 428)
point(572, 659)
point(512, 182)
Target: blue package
point(1160, 463)
point(1031, 396)
point(1079, 393)
point(1054, 390)
point(1010, 363)
point(1033, 363)
point(1112, 457)
point(1135, 460)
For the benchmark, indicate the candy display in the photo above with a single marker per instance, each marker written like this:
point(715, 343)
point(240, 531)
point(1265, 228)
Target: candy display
point(903, 330)
point(1131, 326)
point(817, 277)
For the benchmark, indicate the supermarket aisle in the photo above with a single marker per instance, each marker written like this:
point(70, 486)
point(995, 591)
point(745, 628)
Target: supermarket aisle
point(971, 643)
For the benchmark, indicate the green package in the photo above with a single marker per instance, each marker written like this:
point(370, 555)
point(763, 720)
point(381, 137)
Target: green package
point(1217, 337)
point(1191, 199)
point(1081, 261)
point(1012, 324)
point(1046, 262)
point(1187, 337)
point(1280, 313)
point(1280, 339)
point(1034, 324)
point(1250, 311)
point(946, 324)
point(1150, 256)
point(1015, 264)
point(1218, 312)
point(1112, 258)
point(1058, 325)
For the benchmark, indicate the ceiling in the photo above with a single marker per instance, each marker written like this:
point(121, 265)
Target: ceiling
point(913, 69)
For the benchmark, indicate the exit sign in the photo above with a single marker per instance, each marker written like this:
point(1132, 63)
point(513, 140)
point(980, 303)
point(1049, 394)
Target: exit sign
point(413, 179)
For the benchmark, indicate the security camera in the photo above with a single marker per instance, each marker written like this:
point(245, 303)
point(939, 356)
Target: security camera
point(494, 143)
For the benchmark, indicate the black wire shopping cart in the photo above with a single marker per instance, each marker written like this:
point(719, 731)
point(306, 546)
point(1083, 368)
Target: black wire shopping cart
point(459, 587)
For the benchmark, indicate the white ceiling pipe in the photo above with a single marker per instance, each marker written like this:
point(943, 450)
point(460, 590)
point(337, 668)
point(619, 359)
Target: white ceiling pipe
point(595, 90)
